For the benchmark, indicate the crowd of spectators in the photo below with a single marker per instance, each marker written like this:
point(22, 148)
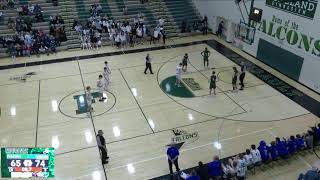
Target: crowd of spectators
point(31, 10)
point(7, 4)
point(188, 26)
point(27, 43)
point(27, 40)
point(57, 28)
point(120, 33)
point(143, 1)
point(281, 148)
point(90, 30)
point(55, 2)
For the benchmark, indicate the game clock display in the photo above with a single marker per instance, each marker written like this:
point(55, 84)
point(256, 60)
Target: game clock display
point(27, 162)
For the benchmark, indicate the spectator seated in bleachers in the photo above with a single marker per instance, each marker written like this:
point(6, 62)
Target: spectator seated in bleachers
point(23, 24)
point(300, 142)
point(31, 10)
point(37, 11)
point(241, 168)
point(248, 158)
point(95, 10)
point(256, 156)
point(282, 148)
point(309, 139)
point(292, 146)
point(55, 2)
point(230, 168)
point(11, 4)
point(264, 151)
point(23, 10)
point(57, 28)
point(3, 4)
point(273, 151)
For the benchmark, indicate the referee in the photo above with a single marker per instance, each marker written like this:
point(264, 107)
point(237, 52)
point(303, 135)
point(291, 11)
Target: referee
point(148, 64)
point(102, 147)
point(242, 75)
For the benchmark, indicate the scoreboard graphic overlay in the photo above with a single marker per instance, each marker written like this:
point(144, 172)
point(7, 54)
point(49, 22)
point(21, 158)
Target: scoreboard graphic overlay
point(27, 162)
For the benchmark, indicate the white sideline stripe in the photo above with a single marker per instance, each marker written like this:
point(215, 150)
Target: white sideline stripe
point(272, 133)
point(184, 150)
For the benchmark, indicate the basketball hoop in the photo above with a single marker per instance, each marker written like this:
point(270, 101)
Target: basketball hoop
point(245, 33)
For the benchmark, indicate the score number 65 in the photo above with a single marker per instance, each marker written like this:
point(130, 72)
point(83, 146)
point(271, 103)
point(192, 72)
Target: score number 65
point(27, 163)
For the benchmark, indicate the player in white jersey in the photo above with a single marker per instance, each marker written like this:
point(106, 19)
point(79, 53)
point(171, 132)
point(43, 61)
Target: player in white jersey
point(83, 42)
point(241, 168)
point(100, 86)
point(106, 65)
point(106, 78)
point(178, 75)
point(89, 99)
point(256, 156)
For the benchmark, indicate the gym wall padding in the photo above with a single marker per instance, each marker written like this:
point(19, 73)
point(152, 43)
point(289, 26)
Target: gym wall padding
point(282, 60)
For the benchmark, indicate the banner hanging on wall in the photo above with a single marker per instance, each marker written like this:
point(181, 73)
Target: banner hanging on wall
point(303, 8)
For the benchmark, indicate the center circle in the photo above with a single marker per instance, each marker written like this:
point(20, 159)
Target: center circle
point(73, 106)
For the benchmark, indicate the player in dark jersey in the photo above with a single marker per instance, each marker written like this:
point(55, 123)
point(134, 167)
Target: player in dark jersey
point(242, 74)
point(234, 79)
point(205, 54)
point(213, 80)
point(185, 62)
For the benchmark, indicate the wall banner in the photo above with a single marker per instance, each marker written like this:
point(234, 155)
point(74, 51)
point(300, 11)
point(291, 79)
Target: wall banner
point(303, 8)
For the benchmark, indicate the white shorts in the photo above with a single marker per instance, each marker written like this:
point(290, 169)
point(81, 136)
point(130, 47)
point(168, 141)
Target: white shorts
point(101, 90)
point(105, 84)
point(178, 76)
point(89, 103)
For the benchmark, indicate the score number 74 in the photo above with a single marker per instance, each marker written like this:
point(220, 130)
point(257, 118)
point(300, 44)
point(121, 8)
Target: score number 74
point(27, 163)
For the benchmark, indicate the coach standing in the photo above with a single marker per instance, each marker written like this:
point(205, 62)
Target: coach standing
point(242, 75)
point(173, 154)
point(148, 64)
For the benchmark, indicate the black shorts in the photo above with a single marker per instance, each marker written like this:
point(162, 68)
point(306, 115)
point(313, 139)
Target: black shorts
point(234, 81)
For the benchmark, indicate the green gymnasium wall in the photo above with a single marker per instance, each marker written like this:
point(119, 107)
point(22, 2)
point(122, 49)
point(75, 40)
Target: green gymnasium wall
point(284, 61)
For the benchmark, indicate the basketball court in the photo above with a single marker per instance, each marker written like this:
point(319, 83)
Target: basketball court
point(143, 113)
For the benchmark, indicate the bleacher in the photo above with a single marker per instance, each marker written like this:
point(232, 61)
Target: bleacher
point(47, 7)
point(173, 11)
point(182, 10)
